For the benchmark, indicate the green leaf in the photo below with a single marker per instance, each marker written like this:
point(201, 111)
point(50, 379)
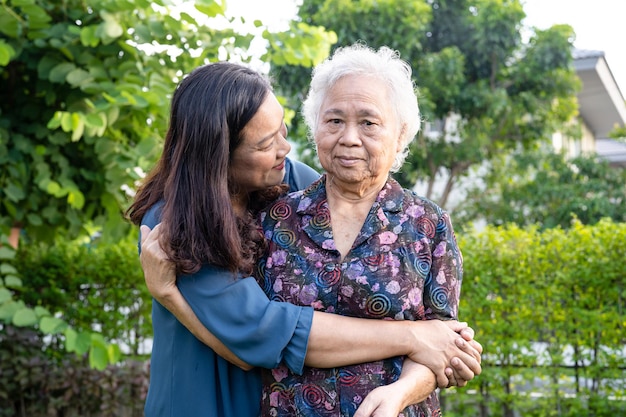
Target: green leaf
point(14, 193)
point(9, 25)
point(6, 253)
point(58, 73)
point(88, 36)
point(78, 76)
point(77, 342)
point(76, 199)
point(114, 353)
point(12, 281)
point(98, 352)
point(52, 325)
point(5, 295)
point(7, 269)
point(210, 8)
point(24, 317)
point(9, 308)
point(6, 53)
point(42, 311)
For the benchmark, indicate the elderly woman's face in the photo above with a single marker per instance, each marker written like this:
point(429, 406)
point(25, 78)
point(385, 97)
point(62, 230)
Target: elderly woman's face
point(358, 134)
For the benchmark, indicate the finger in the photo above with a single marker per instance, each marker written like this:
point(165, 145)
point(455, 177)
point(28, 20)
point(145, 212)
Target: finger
point(467, 333)
point(456, 326)
point(477, 346)
point(442, 380)
point(461, 373)
point(465, 366)
point(469, 348)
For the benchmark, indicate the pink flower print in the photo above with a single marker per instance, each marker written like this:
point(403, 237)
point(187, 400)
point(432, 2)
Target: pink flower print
point(328, 244)
point(274, 398)
point(387, 238)
point(381, 216)
point(308, 295)
point(278, 286)
point(361, 280)
point(347, 290)
point(375, 287)
point(279, 373)
point(441, 277)
point(415, 211)
point(392, 287)
point(279, 257)
point(317, 305)
point(415, 296)
point(440, 250)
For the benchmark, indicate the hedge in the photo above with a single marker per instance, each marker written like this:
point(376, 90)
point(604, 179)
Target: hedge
point(549, 309)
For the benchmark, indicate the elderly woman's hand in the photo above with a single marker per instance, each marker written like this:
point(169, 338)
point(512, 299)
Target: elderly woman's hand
point(447, 348)
point(158, 271)
point(414, 385)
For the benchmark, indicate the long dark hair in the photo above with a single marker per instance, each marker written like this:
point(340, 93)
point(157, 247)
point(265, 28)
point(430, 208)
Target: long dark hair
point(209, 110)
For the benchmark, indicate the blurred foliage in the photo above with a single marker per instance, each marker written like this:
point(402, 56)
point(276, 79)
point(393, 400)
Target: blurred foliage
point(34, 384)
point(548, 308)
point(85, 98)
point(492, 91)
point(93, 287)
point(546, 189)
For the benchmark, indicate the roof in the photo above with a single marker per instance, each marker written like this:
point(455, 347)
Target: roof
point(601, 102)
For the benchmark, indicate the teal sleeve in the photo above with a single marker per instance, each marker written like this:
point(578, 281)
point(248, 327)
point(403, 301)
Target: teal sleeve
point(259, 331)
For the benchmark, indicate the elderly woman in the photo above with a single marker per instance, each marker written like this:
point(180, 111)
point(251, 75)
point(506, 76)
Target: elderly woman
point(355, 242)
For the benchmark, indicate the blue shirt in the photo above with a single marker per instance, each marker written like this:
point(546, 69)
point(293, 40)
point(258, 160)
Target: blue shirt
point(187, 378)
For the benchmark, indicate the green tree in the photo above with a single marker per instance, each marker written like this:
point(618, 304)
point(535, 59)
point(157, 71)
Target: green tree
point(85, 95)
point(488, 89)
point(548, 190)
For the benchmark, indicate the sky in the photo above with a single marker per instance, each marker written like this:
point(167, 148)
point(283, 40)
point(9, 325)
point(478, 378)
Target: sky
point(600, 25)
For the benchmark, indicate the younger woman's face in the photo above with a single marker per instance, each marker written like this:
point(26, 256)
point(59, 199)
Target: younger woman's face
point(259, 161)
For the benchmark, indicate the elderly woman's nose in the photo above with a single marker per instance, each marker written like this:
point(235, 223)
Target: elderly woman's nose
point(350, 135)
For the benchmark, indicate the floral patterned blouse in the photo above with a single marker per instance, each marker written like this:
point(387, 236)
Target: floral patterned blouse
point(404, 265)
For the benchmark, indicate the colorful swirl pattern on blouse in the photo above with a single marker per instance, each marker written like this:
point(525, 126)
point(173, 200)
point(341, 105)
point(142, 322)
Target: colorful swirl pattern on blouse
point(442, 225)
point(378, 305)
point(426, 226)
point(422, 264)
point(439, 298)
point(313, 395)
point(328, 278)
point(348, 378)
point(374, 260)
point(284, 238)
point(280, 211)
point(321, 220)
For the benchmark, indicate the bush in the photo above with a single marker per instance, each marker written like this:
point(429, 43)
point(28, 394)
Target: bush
point(32, 383)
point(548, 308)
point(97, 287)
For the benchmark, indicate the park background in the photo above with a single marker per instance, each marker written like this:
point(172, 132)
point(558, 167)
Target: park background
point(84, 98)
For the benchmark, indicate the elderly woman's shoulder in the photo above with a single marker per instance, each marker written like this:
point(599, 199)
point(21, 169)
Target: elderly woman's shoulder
point(430, 207)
